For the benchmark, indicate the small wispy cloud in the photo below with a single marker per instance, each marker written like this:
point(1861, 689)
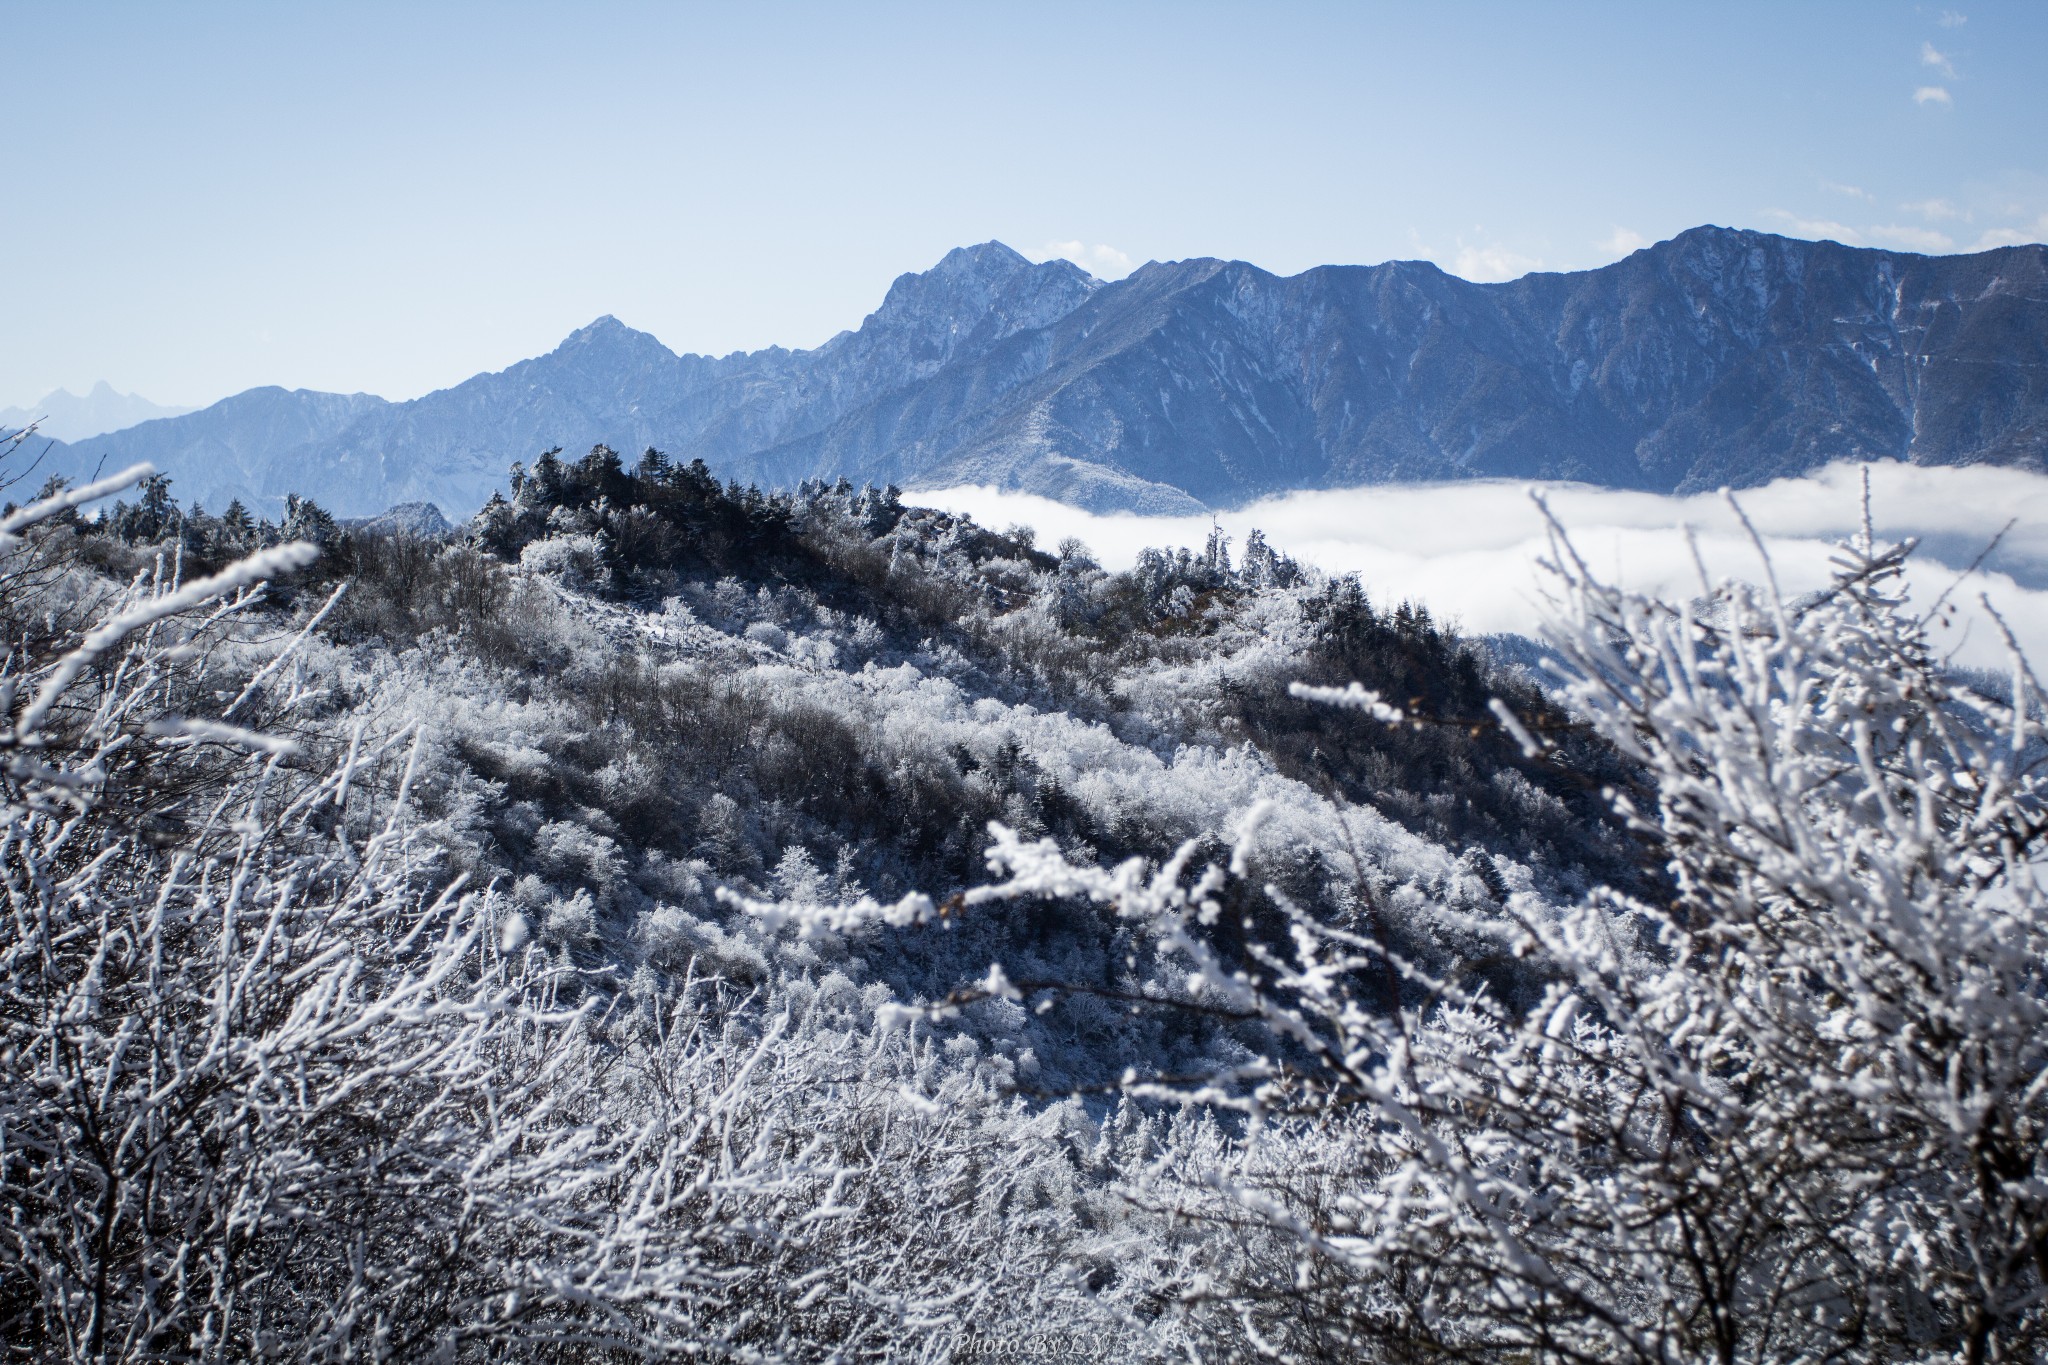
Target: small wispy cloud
point(1913, 238)
point(1853, 191)
point(2036, 231)
point(1935, 210)
point(1932, 94)
point(1622, 241)
point(1826, 228)
point(1950, 19)
point(1998, 237)
point(1102, 261)
point(1930, 57)
point(1489, 264)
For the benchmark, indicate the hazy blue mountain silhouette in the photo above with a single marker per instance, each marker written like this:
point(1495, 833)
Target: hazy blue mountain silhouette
point(75, 417)
point(1721, 356)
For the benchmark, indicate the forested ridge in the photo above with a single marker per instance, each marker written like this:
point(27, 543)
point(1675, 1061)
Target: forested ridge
point(669, 917)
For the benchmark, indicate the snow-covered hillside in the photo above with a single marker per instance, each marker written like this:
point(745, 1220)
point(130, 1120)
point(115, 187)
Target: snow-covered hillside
point(661, 918)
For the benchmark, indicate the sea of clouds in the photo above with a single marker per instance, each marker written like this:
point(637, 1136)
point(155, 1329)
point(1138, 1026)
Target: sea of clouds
point(1470, 551)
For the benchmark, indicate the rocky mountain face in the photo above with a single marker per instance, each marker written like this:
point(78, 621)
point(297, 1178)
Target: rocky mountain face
point(1720, 356)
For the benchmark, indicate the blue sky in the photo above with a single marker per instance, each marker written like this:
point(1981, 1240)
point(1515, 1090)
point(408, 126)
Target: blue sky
point(204, 197)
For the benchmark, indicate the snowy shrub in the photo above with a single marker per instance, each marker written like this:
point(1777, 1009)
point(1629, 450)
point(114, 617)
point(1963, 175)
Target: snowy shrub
point(675, 941)
point(767, 634)
point(577, 559)
point(867, 638)
point(571, 851)
point(797, 878)
point(674, 879)
point(816, 652)
point(570, 920)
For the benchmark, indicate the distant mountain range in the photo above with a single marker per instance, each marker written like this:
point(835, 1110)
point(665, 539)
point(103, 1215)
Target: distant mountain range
point(68, 417)
point(1718, 357)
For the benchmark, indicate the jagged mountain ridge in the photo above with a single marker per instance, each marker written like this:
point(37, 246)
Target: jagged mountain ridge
point(1720, 356)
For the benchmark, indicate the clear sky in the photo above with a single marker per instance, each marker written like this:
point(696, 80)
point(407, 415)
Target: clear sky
point(203, 197)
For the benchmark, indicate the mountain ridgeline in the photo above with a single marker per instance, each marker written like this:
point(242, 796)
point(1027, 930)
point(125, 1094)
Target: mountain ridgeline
point(72, 417)
point(1718, 357)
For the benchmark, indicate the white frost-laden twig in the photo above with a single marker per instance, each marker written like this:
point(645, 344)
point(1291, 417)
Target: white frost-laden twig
point(1512, 723)
point(37, 512)
point(1351, 696)
point(814, 921)
point(264, 674)
point(996, 985)
point(187, 730)
point(255, 568)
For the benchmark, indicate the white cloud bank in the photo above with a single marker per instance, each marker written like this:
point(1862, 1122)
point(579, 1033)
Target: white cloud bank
point(1938, 209)
point(1624, 241)
point(1913, 238)
point(1469, 550)
point(1492, 264)
point(1932, 94)
point(1102, 261)
point(1997, 237)
point(1824, 229)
